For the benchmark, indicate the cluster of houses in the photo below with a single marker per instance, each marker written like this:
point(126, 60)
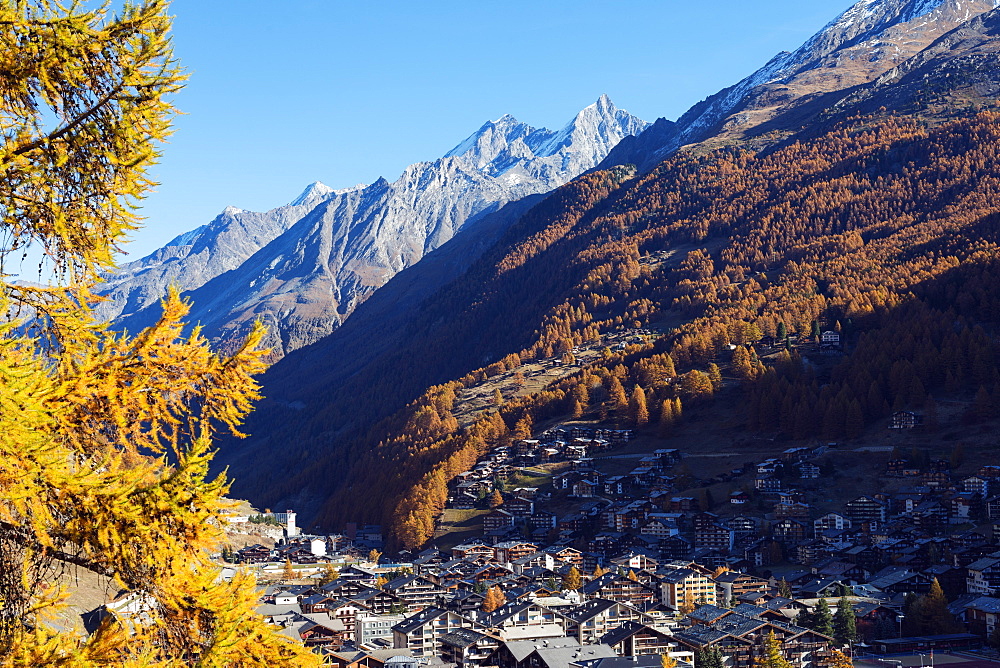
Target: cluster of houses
point(435, 611)
point(661, 572)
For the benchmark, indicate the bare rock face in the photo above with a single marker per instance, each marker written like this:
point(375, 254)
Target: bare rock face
point(305, 267)
point(866, 41)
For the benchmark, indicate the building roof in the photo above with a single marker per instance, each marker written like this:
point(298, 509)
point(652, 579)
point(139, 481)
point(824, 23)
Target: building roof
point(521, 649)
point(462, 638)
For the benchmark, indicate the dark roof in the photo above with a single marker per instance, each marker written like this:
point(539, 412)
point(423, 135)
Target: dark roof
point(708, 613)
point(419, 619)
point(520, 649)
point(626, 630)
point(462, 638)
point(589, 610)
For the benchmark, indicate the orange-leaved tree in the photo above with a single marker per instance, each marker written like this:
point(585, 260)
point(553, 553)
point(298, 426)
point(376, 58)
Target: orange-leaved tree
point(105, 440)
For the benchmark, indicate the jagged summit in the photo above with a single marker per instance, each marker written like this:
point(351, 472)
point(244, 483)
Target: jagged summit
point(315, 191)
point(862, 43)
point(304, 267)
point(498, 144)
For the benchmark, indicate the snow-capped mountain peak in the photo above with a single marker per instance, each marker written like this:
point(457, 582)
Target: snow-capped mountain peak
point(304, 267)
point(314, 192)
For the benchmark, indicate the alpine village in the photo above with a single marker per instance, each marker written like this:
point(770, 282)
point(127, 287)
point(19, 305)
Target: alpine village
point(717, 392)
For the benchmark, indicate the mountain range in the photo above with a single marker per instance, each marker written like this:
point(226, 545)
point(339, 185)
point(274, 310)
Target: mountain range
point(856, 103)
point(303, 268)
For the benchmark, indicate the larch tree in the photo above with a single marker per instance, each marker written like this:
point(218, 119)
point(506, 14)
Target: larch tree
point(638, 408)
point(572, 579)
point(106, 440)
point(772, 655)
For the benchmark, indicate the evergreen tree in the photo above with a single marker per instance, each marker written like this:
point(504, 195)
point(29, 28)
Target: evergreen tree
point(710, 657)
point(845, 624)
point(822, 619)
point(784, 589)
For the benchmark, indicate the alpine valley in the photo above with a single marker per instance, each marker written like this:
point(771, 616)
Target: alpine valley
point(679, 279)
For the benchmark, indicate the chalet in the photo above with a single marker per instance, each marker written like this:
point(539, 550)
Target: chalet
point(567, 555)
point(513, 550)
point(741, 639)
point(767, 483)
point(865, 509)
point(519, 507)
point(635, 639)
point(619, 588)
point(739, 498)
point(659, 528)
point(905, 420)
point(686, 586)
point(808, 471)
point(830, 521)
point(733, 584)
point(984, 576)
point(584, 489)
point(714, 536)
point(614, 486)
point(636, 561)
point(497, 520)
point(830, 337)
point(976, 485)
point(982, 615)
point(683, 504)
point(473, 551)
point(901, 468)
point(794, 510)
point(468, 647)
point(415, 591)
point(595, 618)
point(543, 519)
point(421, 633)
point(789, 531)
point(524, 619)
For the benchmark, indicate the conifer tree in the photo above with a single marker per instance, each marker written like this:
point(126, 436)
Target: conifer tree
point(108, 437)
point(845, 623)
point(772, 656)
point(494, 599)
point(784, 589)
point(288, 572)
point(329, 574)
point(822, 619)
point(637, 407)
point(839, 660)
point(572, 580)
point(667, 661)
point(496, 499)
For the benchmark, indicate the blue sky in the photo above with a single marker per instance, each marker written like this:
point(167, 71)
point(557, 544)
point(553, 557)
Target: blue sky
point(283, 94)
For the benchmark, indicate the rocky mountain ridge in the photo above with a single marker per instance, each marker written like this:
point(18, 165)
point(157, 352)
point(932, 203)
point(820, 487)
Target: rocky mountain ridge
point(867, 40)
point(305, 267)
